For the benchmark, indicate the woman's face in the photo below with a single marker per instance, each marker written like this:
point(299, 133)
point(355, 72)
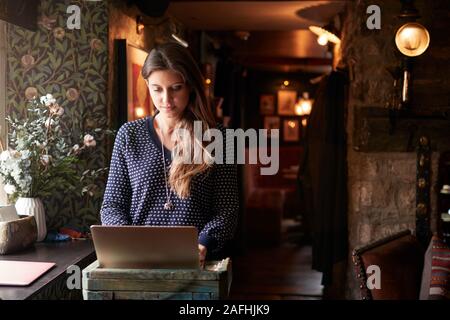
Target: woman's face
point(169, 92)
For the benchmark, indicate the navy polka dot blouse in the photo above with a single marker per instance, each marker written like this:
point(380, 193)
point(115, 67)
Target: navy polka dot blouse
point(136, 191)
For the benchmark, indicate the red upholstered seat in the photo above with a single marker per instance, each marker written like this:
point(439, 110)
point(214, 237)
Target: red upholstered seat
point(269, 198)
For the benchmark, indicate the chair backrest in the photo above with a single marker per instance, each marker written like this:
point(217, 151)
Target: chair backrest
point(400, 259)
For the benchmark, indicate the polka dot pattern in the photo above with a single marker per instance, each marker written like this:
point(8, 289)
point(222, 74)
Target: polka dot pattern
point(136, 191)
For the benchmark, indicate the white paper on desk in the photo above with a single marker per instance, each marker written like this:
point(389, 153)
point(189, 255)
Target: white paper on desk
point(8, 213)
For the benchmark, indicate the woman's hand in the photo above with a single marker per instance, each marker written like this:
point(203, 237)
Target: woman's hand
point(202, 255)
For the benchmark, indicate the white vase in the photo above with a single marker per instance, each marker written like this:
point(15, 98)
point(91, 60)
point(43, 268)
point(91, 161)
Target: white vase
point(33, 207)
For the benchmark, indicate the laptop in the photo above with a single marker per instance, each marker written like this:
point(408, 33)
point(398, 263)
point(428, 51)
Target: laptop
point(146, 247)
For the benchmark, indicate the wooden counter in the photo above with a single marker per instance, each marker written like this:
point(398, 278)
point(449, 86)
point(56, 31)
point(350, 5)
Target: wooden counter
point(51, 285)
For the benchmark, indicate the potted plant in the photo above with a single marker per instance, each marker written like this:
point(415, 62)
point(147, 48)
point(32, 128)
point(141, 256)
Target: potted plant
point(41, 159)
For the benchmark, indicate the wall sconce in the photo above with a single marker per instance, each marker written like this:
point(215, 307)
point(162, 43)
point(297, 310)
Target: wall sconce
point(139, 112)
point(304, 105)
point(207, 71)
point(412, 39)
point(298, 108)
point(140, 26)
point(325, 34)
point(445, 190)
point(292, 124)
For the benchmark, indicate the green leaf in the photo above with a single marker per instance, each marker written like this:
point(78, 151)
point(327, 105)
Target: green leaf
point(92, 85)
point(59, 46)
point(92, 72)
point(52, 58)
point(85, 65)
point(60, 77)
point(36, 40)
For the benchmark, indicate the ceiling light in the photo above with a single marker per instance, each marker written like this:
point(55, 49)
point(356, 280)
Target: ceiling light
point(322, 39)
point(327, 32)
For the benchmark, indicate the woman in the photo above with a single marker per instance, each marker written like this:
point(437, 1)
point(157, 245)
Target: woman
point(149, 182)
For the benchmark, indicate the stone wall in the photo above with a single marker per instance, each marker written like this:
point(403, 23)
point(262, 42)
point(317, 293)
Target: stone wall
point(382, 187)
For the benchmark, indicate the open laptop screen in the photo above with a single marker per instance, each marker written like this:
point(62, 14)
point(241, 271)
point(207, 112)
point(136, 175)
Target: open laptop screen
point(146, 247)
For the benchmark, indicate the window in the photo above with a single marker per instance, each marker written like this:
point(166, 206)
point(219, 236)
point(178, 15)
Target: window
point(3, 131)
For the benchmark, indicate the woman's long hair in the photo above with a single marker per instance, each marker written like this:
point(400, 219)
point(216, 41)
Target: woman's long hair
point(172, 56)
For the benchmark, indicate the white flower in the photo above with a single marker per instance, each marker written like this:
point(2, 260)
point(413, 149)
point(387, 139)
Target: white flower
point(49, 122)
point(26, 154)
point(4, 155)
point(48, 100)
point(89, 141)
point(56, 109)
point(40, 145)
point(9, 189)
point(60, 111)
point(15, 154)
point(15, 174)
point(45, 159)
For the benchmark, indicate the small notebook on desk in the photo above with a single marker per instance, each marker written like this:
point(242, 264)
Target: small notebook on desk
point(22, 273)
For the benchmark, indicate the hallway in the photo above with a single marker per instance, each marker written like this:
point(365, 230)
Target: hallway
point(277, 273)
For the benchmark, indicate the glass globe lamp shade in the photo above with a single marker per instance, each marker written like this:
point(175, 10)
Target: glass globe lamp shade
point(412, 39)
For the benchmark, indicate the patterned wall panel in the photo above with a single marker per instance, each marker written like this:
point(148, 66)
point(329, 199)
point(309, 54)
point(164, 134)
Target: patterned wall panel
point(71, 65)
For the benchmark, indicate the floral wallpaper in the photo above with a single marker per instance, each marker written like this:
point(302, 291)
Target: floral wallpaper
point(72, 66)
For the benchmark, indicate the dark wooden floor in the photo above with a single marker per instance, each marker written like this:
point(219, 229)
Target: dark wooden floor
point(276, 273)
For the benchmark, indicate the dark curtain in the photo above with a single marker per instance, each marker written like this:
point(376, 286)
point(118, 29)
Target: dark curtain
point(230, 85)
point(323, 175)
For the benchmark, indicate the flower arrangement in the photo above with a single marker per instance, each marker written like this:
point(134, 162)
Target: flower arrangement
point(42, 158)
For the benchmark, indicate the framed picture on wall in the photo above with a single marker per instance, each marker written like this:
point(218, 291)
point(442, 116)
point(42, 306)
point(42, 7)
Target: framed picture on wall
point(271, 123)
point(267, 104)
point(134, 97)
point(291, 130)
point(286, 102)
